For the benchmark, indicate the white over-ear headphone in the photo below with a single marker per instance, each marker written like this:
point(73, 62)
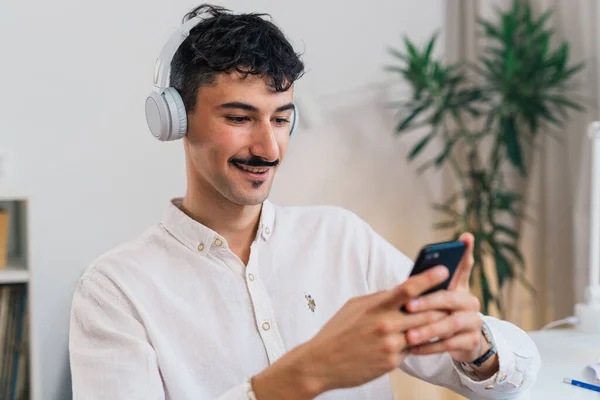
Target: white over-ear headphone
point(165, 112)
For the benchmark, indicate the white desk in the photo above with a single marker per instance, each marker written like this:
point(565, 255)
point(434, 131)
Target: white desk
point(565, 354)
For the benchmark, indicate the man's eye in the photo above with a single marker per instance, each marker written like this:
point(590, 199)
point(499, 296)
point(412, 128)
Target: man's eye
point(281, 121)
point(236, 120)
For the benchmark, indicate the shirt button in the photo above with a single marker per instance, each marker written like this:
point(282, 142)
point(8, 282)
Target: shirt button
point(251, 277)
point(266, 326)
point(267, 230)
point(201, 246)
point(218, 242)
point(489, 387)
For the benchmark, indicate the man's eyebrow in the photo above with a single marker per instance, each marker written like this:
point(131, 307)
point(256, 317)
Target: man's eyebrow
point(289, 106)
point(247, 107)
point(239, 105)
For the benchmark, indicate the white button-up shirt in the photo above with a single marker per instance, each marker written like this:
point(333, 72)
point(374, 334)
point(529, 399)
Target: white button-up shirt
point(175, 314)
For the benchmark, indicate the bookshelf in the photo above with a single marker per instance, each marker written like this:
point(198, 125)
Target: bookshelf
point(13, 275)
point(15, 354)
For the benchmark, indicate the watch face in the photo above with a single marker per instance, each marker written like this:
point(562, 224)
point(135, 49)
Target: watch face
point(487, 335)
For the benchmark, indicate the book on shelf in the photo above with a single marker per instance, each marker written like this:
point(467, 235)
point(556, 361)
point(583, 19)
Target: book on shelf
point(14, 353)
point(4, 217)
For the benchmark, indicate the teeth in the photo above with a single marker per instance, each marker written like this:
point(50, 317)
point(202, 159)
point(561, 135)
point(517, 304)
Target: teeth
point(253, 170)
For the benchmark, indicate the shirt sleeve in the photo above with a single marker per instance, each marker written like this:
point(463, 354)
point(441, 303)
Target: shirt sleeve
point(111, 356)
point(519, 361)
point(518, 355)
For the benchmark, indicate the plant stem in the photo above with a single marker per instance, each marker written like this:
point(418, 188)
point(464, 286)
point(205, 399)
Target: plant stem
point(475, 221)
point(453, 162)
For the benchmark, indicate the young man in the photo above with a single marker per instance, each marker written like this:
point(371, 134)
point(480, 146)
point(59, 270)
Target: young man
point(232, 297)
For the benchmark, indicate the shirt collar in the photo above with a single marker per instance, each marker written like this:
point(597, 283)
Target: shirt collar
point(201, 238)
point(267, 220)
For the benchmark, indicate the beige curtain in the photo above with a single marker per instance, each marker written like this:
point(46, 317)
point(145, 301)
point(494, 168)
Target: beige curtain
point(555, 243)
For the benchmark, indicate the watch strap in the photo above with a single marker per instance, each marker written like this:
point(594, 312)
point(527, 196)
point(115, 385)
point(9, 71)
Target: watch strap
point(487, 334)
point(479, 362)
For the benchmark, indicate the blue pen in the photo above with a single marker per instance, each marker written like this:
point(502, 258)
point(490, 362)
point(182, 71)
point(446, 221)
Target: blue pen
point(582, 384)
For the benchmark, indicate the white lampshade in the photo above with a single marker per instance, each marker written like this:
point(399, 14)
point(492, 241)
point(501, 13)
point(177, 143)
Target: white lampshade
point(594, 134)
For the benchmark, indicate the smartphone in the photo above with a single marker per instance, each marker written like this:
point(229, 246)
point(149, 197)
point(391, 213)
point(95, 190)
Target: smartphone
point(447, 254)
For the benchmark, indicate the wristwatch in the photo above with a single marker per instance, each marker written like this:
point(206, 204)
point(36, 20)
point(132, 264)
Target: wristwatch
point(487, 334)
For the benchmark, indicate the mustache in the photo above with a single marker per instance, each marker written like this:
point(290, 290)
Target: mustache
point(255, 162)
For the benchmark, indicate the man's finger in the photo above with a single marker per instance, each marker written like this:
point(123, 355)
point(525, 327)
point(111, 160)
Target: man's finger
point(463, 272)
point(394, 321)
point(446, 328)
point(411, 321)
point(415, 285)
point(462, 342)
point(373, 299)
point(444, 300)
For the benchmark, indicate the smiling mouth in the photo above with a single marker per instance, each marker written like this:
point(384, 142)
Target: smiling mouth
point(253, 170)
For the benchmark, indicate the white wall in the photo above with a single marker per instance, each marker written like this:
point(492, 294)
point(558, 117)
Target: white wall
point(74, 77)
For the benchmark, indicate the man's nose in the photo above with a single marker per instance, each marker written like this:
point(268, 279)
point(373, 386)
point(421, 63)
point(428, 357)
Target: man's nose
point(264, 144)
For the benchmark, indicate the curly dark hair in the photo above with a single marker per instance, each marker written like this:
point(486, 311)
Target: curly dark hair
point(224, 42)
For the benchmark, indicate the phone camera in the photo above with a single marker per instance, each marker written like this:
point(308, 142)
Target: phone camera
point(432, 256)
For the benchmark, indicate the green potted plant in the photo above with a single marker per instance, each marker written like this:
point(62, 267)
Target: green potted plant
point(487, 116)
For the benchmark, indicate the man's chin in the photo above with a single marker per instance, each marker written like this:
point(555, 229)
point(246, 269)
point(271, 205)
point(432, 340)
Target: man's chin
point(253, 197)
point(247, 201)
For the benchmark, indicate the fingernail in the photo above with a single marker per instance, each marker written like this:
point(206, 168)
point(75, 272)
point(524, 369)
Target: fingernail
point(442, 271)
point(415, 335)
point(415, 304)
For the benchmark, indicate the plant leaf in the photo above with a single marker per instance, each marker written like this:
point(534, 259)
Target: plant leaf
point(506, 230)
point(572, 71)
point(513, 250)
point(449, 145)
point(504, 269)
point(412, 50)
point(398, 54)
point(541, 21)
point(424, 167)
point(421, 145)
point(513, 148)
point(391, 68)
point(446, 209)
point(430, 47)
point(562, 100)
point(528, 285)
point(485, 291)
point(489, 29)
point(509, 63)
point(445, 225)
point(414, 113)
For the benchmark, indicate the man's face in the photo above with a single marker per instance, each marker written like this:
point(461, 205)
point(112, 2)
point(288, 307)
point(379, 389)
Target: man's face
point(236, 138)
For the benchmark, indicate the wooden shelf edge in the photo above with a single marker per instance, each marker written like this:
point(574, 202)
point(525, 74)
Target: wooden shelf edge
point(13, 275)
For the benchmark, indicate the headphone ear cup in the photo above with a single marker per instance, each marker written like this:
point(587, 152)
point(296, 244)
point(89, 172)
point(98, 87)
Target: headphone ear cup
point(165, 115)
point(178, 113)
point(294, 122)
point(157, 115)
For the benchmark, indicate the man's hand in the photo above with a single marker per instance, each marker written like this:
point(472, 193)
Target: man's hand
point(362, 341)
point(460, 332)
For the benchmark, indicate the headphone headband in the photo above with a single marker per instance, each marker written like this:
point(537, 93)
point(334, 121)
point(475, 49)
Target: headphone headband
point(162, 67)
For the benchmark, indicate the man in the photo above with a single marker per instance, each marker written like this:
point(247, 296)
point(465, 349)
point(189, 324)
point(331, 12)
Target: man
point(232, 297)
